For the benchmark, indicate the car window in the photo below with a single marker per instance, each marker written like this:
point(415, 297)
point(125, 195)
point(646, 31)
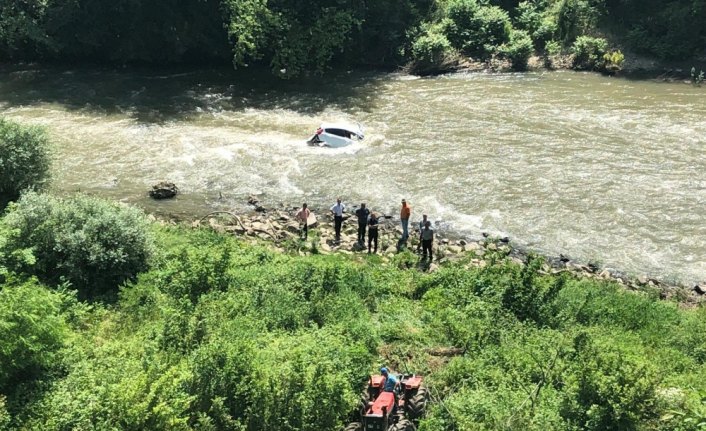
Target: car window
point(339, 132)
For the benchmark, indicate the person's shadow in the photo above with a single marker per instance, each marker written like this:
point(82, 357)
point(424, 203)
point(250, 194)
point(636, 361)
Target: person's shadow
point(401, 245)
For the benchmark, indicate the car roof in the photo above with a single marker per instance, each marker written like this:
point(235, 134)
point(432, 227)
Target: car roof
point(353, 128)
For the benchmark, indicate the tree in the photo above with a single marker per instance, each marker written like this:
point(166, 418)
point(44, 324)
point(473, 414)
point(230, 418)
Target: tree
point(93, 244)
point(24, 159)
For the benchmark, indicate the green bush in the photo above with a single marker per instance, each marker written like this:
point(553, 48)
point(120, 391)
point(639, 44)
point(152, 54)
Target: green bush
point(430, 51)
point(613, 62)
point(576, 18)
point(32, 329)
point(24, 159)
point(518, 50)
point(611, 385)
point(588, 52)
point(476, 30)
point(91, 243)
point(4, 415)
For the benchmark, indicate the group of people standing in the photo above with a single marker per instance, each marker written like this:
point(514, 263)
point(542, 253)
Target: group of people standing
point(369, 221)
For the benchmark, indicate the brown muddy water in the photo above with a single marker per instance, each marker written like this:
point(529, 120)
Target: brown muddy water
point(598, 168)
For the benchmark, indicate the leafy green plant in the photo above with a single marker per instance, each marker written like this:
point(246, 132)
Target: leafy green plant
point(430, 51)
point(575, 18)
point(476, 30)
point(588, 52)
point(613, 61)
point(93, 244)
point(692, 415)
point(25, 159)
point(518, 50)
point(32, 330)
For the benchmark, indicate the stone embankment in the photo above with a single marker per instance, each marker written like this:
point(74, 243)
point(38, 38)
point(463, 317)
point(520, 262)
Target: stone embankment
point(279, 227)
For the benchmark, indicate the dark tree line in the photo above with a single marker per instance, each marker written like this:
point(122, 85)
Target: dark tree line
point(292, 36)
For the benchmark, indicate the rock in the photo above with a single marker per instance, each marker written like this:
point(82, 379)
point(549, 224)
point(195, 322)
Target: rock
point(164, 190)
point(454, 249)
point(643, 279)
point(563, 258)
point(445, 241)
point(700, 288)
point(505, 239)
point(312, 221)
point(605, 274)
point(473, 246)
point(252, 200)
point(292, 227)
point(433, 267)
point(517, 261)
point(462, 242)
point(491, 246)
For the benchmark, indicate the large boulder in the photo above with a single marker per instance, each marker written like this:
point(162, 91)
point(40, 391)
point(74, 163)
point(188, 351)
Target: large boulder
point(164, 190)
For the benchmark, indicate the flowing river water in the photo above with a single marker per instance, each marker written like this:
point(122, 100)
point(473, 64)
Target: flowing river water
point(602, 169)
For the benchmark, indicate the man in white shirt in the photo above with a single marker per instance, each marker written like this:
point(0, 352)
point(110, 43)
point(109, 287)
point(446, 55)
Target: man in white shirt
point(337, 211)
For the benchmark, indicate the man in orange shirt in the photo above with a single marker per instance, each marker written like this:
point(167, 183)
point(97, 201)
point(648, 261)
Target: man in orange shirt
point(405, 213)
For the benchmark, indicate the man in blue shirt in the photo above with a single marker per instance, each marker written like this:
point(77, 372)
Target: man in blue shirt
point(391, 381)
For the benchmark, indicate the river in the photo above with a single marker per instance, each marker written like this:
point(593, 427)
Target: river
point(601, 169)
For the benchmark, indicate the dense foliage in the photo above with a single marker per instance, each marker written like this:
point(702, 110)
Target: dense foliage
point(221, 335)
point(293, 37)
point(24, 159)
point(90, 243)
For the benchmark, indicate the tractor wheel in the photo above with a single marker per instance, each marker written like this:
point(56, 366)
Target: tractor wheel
point(403, 425)
point(354, 426)
point(417, 404)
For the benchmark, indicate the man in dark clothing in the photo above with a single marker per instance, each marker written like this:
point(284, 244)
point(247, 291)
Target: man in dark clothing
point(373, 232)
point(362, 213)
point(427, 238)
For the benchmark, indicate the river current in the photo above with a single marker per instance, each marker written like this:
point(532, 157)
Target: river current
point(598, 168)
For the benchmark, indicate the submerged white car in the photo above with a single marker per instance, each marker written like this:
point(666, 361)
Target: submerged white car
point(336, 135)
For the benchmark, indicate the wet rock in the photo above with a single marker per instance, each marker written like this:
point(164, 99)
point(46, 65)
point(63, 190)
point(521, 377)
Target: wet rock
point(164, 190)
point(312, 221)
point(700, 288)
point(473, 246)
point(462, 242)
point(454, 249)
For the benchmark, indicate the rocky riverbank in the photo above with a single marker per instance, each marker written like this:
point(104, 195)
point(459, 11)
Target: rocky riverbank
point(278, 227)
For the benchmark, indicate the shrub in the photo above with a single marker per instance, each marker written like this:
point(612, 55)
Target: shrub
point(576, 18)
point(588, 52)
point(476, 30)
point(611, 385)
point(518, 50)
point(430, 51)
point(93, 244)
point(24, 159)
point(32, 329)
point(613, 62)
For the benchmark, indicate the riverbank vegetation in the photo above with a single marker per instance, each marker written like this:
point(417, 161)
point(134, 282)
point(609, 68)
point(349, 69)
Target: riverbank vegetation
point(294, 37)
point(109, 321)
point(207, 332)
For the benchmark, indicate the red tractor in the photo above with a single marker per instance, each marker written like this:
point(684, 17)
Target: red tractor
point(391, 411)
